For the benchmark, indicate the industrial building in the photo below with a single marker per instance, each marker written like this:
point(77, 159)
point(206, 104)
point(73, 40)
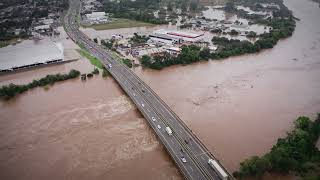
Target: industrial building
point(31, 54)
point(176, 36)
point(164, 39)
point(96, 18)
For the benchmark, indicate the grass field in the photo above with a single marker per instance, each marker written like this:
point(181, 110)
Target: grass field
point(4, 43)
point(93, 60)
point(118, 23)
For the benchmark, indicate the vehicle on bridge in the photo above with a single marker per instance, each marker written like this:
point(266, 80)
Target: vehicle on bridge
point(169, 131)
point(222, 174)
point(153, 119)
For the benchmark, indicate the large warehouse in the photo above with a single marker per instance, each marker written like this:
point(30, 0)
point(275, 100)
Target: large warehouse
point(183, 35)
point(29, 54)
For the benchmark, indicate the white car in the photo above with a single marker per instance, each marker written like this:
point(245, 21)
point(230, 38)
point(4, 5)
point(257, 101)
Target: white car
point(153, 119)
point(110, 66)
point(142, 105)
point(159, 127)
point(183, 160)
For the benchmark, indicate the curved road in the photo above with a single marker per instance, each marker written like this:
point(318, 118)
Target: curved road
point(182, 144)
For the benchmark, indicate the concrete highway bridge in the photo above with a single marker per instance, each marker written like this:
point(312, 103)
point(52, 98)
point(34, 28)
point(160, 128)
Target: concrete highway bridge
point(188, 152)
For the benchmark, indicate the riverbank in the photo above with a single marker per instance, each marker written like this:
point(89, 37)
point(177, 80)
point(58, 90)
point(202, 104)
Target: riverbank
point(294, 154)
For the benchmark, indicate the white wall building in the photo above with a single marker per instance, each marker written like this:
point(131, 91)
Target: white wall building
point(96, 18)
point(185, 36)
point(164, 39)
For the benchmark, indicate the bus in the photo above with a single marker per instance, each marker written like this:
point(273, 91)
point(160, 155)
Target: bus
point(222, 174)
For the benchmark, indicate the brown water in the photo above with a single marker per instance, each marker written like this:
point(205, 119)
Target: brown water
point(77, 130)
point(240, 106)
point(90, 130)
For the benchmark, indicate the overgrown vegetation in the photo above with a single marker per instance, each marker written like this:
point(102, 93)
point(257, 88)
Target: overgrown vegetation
point(189, 54)
point(127, 62)
point(295, 153)
point(138, 39)
point(95, 71)
point(4, 43)
point(93, 60)
point(9, 91)
point(107, 43)
point(105, 73)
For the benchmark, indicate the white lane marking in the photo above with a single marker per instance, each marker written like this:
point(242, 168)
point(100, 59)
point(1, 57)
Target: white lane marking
point(191, 168)
point(202, 158)
point(161, 134)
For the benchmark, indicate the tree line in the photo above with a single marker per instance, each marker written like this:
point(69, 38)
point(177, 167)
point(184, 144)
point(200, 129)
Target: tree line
point(9, 91)
point(189, 54)
point(295, 153)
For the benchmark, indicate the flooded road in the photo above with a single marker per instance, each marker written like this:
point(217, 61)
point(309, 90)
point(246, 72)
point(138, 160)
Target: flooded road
point(238, 107)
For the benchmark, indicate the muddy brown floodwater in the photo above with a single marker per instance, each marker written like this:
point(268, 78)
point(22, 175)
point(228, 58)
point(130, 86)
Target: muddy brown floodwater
point(91, 130)
point(77, 130)
point(240, 106)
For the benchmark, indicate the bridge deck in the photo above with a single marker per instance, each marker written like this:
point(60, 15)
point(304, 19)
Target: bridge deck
point(182, 143)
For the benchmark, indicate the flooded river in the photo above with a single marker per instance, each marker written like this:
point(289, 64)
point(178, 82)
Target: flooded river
point(240, 106)
point(91, 130)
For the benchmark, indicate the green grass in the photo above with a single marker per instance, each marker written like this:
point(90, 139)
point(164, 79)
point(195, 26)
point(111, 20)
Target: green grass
point(93, 60)
point(4, 44)
point(8, 42)
point(116, 56)
point(118, 23)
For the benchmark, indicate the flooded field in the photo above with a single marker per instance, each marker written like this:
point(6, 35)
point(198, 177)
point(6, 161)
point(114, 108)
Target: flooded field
point(91, 130)
point(215, 15)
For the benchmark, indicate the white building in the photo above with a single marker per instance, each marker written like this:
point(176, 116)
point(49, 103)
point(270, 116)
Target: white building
point(96, 18)
point(47, 21)
point(164, 39)
point(42, 28)
point(185, 36)
point(173, 50)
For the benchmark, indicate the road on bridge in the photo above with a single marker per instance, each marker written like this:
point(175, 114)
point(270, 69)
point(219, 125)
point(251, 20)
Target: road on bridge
point(187, 151)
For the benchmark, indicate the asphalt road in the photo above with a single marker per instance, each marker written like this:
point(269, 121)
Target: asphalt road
point(182, 143)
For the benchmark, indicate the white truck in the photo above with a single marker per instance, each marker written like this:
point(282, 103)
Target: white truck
point(222, 174)
point(169, 131)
